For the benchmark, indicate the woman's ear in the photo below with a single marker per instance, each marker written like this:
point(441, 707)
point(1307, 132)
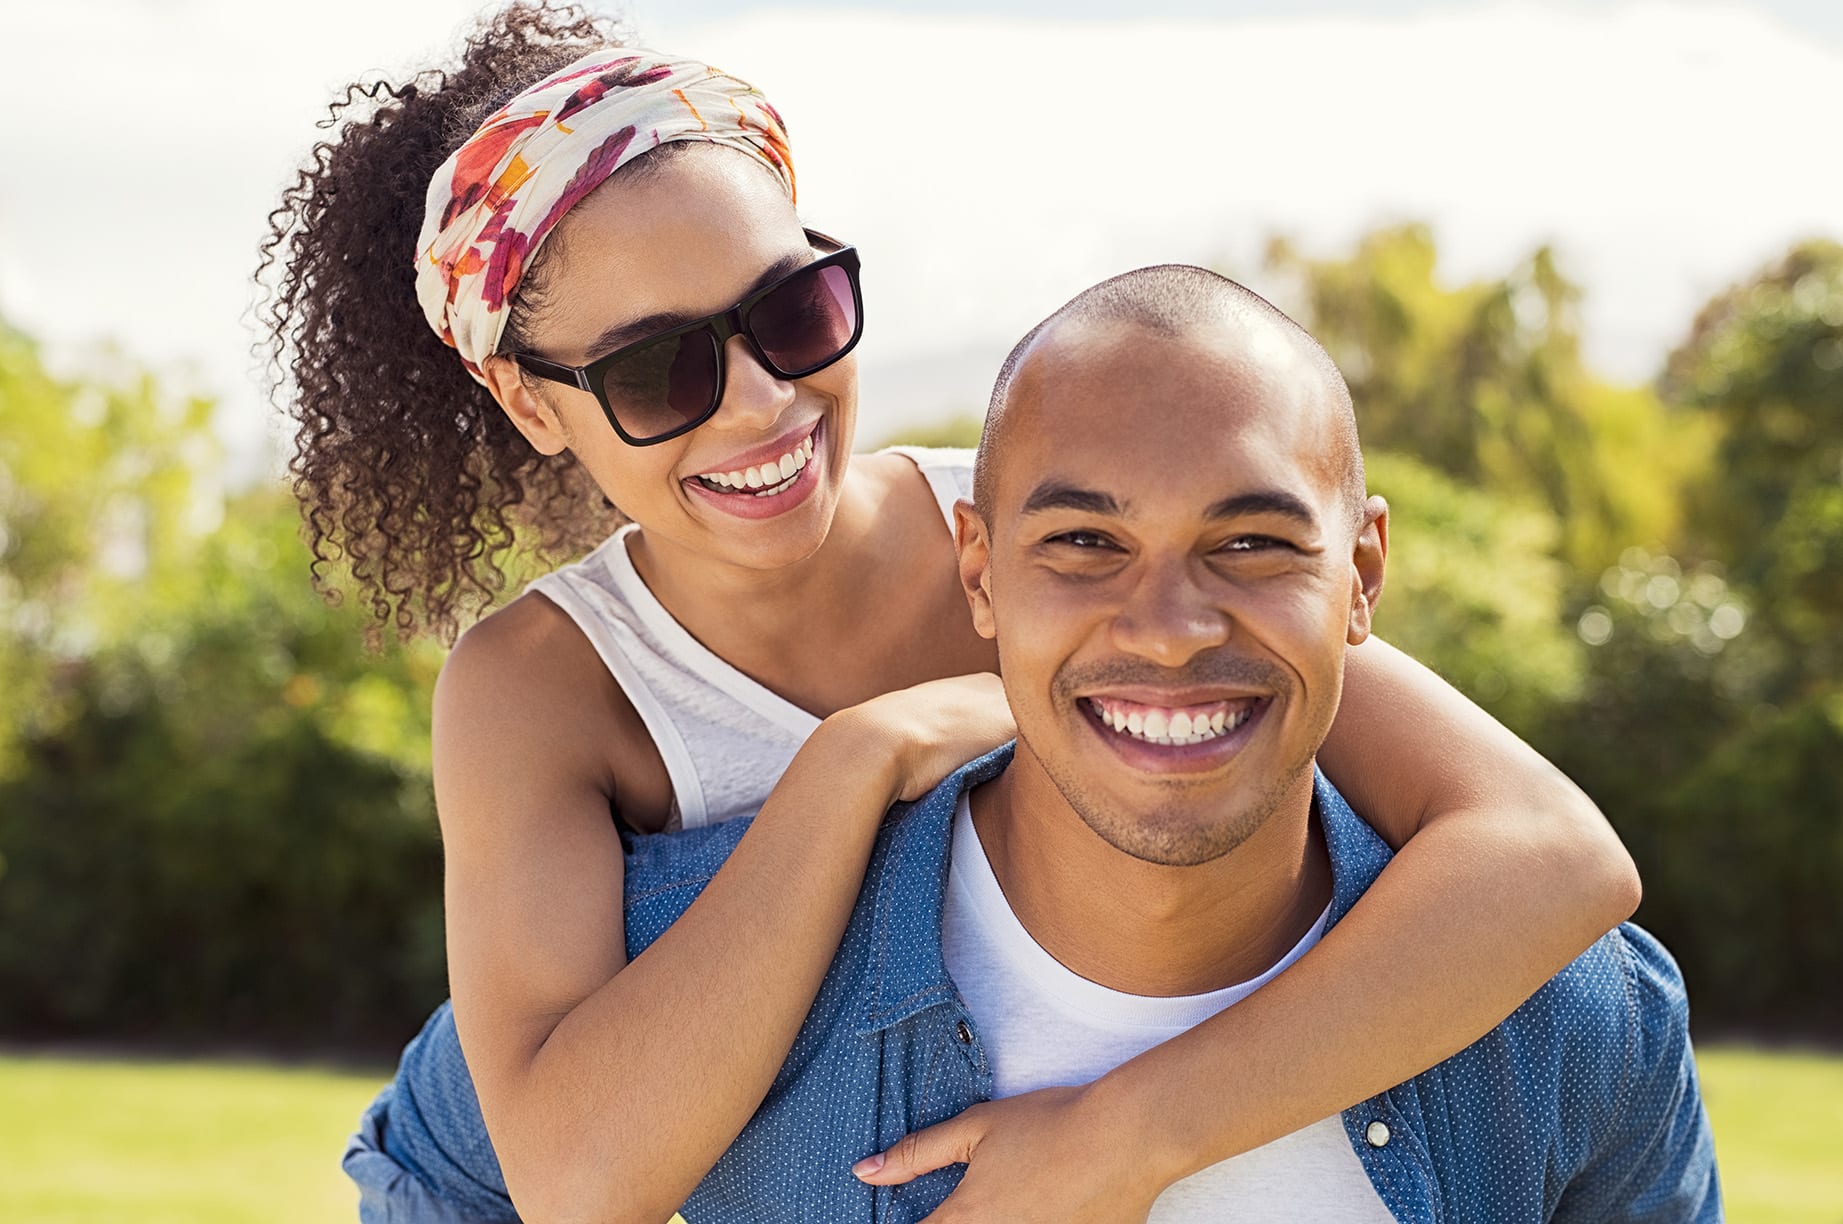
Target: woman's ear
point(530, 412)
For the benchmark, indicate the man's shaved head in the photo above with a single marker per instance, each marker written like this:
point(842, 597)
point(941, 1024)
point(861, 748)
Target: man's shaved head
point(1176, 301)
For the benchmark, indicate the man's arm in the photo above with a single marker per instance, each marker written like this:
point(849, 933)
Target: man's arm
point(1655, 1163)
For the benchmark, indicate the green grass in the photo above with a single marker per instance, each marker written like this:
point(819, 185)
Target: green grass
point(1778, 1122)
point(83, 1142)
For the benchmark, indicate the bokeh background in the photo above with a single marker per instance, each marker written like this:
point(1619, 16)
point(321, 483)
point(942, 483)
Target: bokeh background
point(1579, 262)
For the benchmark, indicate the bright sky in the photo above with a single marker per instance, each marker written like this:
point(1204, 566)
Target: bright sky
point(988, 168)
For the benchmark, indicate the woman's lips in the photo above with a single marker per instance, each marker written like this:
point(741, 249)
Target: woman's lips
point(747, 492)
point(767, 454)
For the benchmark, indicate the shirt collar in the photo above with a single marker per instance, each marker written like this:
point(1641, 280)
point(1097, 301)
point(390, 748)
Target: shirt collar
point(1357, 854)
point(909, 887)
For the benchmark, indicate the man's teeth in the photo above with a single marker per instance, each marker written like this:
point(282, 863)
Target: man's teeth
point(766, 480)
point(1161, 726)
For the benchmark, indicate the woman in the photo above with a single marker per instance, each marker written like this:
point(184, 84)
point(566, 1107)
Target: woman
point(607, 241)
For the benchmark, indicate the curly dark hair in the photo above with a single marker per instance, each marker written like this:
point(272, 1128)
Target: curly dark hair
point(411, 479)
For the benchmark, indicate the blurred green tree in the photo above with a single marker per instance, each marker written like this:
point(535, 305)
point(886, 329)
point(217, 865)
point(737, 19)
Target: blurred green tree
point(1474, 590)
point(1764, 362)
point(1485, 382)
point(215, 821)
point(104, 486)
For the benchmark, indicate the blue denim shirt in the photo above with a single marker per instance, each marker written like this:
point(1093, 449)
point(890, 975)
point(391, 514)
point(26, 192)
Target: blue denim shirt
point(1582, 1105)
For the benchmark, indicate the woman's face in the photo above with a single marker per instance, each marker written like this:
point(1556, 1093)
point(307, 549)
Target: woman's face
point(644, 253)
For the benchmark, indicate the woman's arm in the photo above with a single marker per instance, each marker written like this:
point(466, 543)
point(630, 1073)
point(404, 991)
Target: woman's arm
point(1506, 873)
point(610, 1089)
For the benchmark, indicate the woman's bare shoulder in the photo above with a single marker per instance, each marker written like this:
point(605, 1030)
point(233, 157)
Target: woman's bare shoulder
point(527, 653)
point(525, 688)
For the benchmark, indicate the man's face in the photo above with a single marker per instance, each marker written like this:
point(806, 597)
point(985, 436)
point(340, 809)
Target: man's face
point(1172, 571)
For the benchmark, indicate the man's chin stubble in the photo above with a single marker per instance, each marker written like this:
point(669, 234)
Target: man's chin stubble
point(1174, 837)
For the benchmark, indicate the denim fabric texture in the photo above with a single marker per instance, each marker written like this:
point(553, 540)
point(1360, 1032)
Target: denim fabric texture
point(1582, 1106)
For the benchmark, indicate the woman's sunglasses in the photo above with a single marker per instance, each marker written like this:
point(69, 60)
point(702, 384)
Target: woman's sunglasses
point(664, 385)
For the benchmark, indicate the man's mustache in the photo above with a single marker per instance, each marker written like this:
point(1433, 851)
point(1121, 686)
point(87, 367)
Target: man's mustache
point(1213, 668)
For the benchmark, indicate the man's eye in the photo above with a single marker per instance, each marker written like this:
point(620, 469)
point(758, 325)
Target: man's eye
point(1081, 539)
point(1254, 543)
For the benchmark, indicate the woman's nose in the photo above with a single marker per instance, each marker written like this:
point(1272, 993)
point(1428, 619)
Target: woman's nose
point(753, 398)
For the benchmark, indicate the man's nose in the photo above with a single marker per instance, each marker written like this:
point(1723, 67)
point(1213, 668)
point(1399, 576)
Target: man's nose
point(753, 398)
point(1168, 616)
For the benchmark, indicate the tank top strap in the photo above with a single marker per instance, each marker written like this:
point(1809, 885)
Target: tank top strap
point(725, 739)
point(948, 471)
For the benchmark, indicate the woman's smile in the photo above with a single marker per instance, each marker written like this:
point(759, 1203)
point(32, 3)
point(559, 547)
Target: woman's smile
point(767, 481)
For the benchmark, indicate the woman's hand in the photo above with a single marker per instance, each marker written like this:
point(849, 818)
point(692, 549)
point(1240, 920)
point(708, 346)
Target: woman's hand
point(1045, 1156)
point(924, 733)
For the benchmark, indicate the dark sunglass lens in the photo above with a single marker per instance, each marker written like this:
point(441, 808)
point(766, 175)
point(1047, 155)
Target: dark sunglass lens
point(807, 320)
point(665, 386)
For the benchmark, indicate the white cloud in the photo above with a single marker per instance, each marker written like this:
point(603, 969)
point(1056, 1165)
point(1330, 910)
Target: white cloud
point(989, 168)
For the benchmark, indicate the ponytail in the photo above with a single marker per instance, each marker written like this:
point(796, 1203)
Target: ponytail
point(409, 475)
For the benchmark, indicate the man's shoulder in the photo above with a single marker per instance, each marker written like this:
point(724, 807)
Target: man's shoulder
point(1610, 1008)
point(1597, 1048)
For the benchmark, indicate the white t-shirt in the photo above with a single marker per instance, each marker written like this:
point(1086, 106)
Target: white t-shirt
point(1045, 1026)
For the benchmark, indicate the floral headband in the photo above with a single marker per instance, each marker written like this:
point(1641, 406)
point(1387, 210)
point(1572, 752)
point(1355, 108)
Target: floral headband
point(492, 203)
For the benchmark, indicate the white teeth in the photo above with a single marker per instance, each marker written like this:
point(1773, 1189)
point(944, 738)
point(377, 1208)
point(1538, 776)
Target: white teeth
point(771, 490)
point(1175, 727)
point(766, 476)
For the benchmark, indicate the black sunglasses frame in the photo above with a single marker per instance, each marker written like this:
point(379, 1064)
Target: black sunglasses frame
point(721, 326)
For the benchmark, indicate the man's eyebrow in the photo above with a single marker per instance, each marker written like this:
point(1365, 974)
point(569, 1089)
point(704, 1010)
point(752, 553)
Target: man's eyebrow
point(1265, 501)
point(1055, 495)
point(1059, 495)
point(620, 334)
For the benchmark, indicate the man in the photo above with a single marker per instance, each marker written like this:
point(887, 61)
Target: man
point(1172, 547)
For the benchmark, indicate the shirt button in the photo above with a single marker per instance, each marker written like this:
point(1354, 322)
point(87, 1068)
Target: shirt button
point(962, 1033)
point(1377, 1135)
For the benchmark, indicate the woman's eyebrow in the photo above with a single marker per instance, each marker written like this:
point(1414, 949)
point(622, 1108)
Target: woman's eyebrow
point(619, 334)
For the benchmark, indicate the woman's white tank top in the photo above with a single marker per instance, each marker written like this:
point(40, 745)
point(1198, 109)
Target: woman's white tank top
point(724, 738)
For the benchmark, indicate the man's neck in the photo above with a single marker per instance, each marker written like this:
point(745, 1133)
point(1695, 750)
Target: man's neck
point(1139, 927)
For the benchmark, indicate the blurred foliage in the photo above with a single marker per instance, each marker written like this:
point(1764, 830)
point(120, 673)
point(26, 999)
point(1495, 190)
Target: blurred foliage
point(215, 810)
point(961, 430)
point(96, 501)
point(1485, 382)
point(1764, 362)
point(1474, 588)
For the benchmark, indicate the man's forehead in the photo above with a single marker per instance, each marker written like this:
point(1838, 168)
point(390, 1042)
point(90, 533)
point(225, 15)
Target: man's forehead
point(1151, 392)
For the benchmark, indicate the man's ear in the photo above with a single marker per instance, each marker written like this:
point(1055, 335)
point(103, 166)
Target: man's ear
point(975, 549)
point(532, 416)
point(1368, 560)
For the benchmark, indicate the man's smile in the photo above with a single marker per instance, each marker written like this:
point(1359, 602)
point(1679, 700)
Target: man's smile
point(1174, 737)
